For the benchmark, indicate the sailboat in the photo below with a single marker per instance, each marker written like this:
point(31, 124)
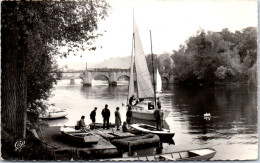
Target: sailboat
point(146, 93)
point(158, 82)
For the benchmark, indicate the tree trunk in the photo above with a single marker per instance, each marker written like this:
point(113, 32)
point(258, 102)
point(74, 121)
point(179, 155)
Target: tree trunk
point(13, 85)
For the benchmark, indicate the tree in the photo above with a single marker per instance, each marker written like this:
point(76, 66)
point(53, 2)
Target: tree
point(212, 57)
point(32, 29)
point(152, 62)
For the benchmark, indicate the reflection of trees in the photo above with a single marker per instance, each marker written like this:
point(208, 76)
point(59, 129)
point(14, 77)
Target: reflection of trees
point(230, 106)
point(237, 107)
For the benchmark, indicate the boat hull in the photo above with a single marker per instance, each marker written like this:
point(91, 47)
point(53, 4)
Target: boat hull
point(187, 155)
point(147, 114)
point(54, 114)
point(144, 128)
point(80, 137)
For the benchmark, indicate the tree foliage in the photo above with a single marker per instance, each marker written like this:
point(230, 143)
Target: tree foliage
point(216, 57)
point(32, 33)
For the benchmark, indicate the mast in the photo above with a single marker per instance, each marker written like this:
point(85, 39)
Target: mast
point(153, 70)
point(131, 81)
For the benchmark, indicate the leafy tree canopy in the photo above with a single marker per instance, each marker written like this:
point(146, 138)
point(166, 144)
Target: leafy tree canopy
point(214, 57)
point(32, 33)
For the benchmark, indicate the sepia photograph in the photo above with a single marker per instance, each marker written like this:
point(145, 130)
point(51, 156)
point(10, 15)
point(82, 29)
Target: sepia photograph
point(129, 80)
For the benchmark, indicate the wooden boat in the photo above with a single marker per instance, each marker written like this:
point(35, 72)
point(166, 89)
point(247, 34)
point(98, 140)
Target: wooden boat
point(144, 128)
point(137, 141)
point(79, 136)
point(202, 154)
point(53, 113)
point(145, 89)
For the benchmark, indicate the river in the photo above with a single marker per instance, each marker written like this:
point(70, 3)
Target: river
point(231, 130)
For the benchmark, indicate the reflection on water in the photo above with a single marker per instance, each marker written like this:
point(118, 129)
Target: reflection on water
point(232, 126)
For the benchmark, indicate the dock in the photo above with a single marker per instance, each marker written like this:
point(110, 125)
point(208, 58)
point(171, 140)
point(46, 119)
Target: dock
point(63, 149)
point(112, 134)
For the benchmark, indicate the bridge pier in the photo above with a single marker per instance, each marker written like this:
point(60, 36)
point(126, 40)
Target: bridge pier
point(72, 81)
point(87, 84)
point(86, 78)
point(114, 83)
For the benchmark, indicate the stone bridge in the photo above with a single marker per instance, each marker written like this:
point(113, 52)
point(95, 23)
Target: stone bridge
point(113, 75)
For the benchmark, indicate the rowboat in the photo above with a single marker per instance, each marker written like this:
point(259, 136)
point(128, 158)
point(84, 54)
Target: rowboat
point(144, 128)
point(53, 113)
point(79, 136)
point(202, 154)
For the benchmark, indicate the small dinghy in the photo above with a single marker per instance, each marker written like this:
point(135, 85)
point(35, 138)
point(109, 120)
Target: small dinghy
point(53, 113)
point(202, 154)
point(79, 136)
point(137, 141)
point(144, 128)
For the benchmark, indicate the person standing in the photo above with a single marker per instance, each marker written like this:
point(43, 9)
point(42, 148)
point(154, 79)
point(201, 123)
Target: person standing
point(129, 115)
point(117, 118)
point(157, 115)
point(159, 106)
point(106, 115)
point(93, 117)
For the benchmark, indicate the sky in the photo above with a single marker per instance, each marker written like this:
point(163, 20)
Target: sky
point(171, 22)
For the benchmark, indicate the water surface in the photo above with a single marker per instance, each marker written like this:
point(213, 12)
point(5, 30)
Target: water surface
point(232, 129)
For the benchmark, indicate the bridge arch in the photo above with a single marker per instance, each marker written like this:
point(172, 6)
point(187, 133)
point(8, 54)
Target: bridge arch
point(123, 77)
point(102, 77)
point(114, 75)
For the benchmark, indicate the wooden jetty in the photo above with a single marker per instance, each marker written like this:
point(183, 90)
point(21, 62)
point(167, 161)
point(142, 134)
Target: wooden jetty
point(64, 149)
point(112, 134)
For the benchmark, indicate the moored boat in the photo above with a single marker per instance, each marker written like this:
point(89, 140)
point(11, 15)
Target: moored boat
point(146, 92)
point(144, 128)
point(202, 154)
point(79, 136)
point(53, 113)
point(137, 141)
point(142, 111)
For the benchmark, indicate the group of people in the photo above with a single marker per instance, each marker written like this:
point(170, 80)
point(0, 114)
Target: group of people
point(106, 116)
point(158, 114)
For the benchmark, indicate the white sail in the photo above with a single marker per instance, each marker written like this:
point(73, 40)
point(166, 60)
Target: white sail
point(158, 82)
point(145, 87)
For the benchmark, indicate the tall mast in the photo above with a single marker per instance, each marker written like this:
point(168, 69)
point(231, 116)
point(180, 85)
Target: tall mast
point(153, 70)
point(131, 81)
